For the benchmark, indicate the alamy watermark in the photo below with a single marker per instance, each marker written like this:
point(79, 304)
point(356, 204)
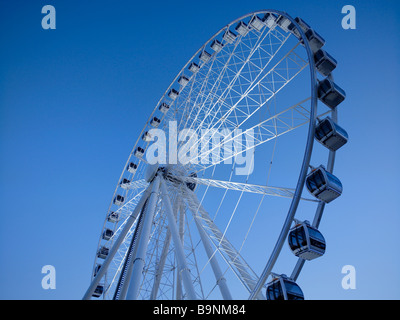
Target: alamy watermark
point(204, 146)
point(49, 280)
point(349, 20)
point(349, 280)
point(49, 20)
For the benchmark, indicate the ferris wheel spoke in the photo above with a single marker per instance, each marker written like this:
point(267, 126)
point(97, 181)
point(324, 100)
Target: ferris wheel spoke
point(137, 184)
point(233, 101)
point(223, 87)
point(224, 67)
point(233, 258)
point(248, 111)
point(239, 141)
point(245, 187)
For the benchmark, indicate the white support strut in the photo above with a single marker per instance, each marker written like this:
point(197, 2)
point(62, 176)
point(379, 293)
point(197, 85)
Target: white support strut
point(180, 254)
point(116, 245)
point(219, 277)
point(139, 262)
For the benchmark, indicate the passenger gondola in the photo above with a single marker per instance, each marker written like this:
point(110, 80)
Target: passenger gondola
point(269, 19)
point(113, 217)
point(183, 80)
point(173, 94)
point(192, 185)
point(124, 184)
point(139, 152)
point(107, 234)
point(229, 36)
point(315, 40)
point(216, 45)
point(96, 269)
point(103, 252)
point(306, 242)
point(98, 291)
point(284, 288)
point(330, 134)
point(256, 23)
point(242, 28)
point(324, 62)
point(323, 185)
point(163, 107)
point(285, 24)
point(194, 67)
point(119, 200)
point(146, 137)
point(205, 56)
point(330, 93)
point(155, 122)
point(131, 167)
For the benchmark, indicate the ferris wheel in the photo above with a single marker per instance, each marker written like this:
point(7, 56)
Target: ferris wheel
point(214, 185)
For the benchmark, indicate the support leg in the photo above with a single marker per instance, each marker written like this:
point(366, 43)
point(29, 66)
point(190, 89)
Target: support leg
point(139, 262)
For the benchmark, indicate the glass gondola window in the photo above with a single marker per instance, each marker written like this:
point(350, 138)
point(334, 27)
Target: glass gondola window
point(330, 134)
point(98, 291)
point(317, 181)
point(256, 23)
point(333, 178)
point(341, 131)
point(324, 128)
point(297, 238)
point(316, 239)
point(293, 291)
point(216, 45)
point(274, 291)
point(330, 93)
point(284, 288)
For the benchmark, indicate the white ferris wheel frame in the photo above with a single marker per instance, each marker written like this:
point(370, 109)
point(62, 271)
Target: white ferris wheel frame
point(147, 198)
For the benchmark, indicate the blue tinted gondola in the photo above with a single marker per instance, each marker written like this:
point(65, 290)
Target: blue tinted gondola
point(155, 122)
point(139, 152)
point(194, 67)
point(131, 167)
point(192, 185)
point(269, 19)
point(216, 45)
point(147, 137)
point(107, 234)
point(113, 217)
point(314, 39)
point(284, 23)
point(242, 28)
point(306, 242)
point(98, 291)
point(96, 269)
point(103, 252)
point(125, 183)
point(173, 94)
point(229, 36)
point(283, 288)
point(119, 200)
point(323, 185)
point(330, 93)
point(303, 25)
point(163, 107)
point(205, 56)
point(324, 62)
point(256, 23)
point(330, 134)
point(183, 80)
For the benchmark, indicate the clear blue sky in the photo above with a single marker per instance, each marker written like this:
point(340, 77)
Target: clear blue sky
point(74, 99)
